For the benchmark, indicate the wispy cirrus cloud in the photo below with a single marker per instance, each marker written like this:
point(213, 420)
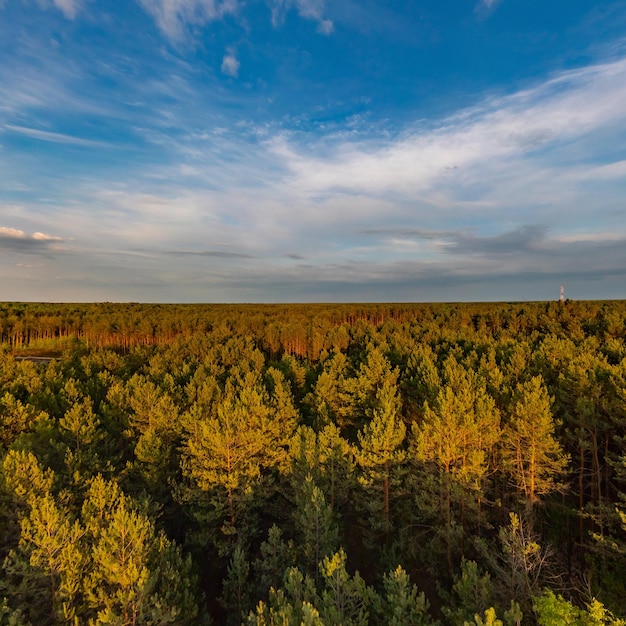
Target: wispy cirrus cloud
point(174, 16)
point(307, 9)
point(501, 133)
point(52, 137)
point(69, 8)
point(529, 238)
point(529, 183)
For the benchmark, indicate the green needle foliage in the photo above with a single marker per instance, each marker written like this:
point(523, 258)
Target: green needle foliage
point(182, 464)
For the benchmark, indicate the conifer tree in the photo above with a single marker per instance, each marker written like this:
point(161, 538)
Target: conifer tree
point(345, 600)
point(554, 610)
point(472, 593)
point(336, 467)
point(379, 452)
point(404, 604)
point(291, 605)
point(81, 434)
point(531, 454)
point(235, 596)
point(136, 575)
point(16, 418)
point(231, 455)
point(333, 394)
point(276, 556)
point(457, 437)
point(46, 569)
point(316, 529)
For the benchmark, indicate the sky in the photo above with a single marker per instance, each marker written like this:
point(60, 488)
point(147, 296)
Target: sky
point(312, 150)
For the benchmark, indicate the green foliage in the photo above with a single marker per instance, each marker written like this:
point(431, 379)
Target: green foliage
point(490, 619)
point(109, 566)
point(472, 593)
point(290, 606)
point(232, 455)
point(316, 530)
point(336, 467)
point(345, 600)
point(459, 432)
point(276, 556)
point(554, 610)
point(9, 617)
point(24, 477)
point(379, 453)
point(404, 605)
point(235, 589)
point(136, 573)
point(16, 418)
point(531, 453)
point(405, 432)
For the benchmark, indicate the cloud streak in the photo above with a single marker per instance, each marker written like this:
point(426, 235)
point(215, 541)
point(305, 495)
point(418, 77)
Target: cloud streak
point(501, 130)
point(174, 16)
point(52, 137)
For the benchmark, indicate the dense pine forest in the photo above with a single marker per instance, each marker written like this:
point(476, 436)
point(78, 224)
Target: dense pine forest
point(401, 464)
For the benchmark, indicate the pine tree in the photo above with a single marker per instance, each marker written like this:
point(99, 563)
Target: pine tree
point(531, 454)
point(554, 610)
point(276, 555)
point(46, 569)
point(380, 454)
point(404, 604)
point(232, 455)
point(16, 418)
point(472, 593)
point(457, 436)
point(345, 600)
point(81, 435)
point(336, 467)
point(316, 529)
point(235, 588)
point(136, 575)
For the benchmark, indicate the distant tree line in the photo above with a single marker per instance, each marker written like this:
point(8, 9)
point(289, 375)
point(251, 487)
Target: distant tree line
point(399, 464)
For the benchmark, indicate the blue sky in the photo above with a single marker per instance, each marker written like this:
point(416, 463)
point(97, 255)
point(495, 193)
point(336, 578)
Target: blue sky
point(312, 150)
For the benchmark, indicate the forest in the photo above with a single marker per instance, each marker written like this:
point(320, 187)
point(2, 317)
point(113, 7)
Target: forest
point(323, 464)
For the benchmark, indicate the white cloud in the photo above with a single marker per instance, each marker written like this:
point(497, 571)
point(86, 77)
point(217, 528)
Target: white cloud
point(68, 7)
point(16, 240)
point(44, 237)
point(12, 233)
point(307, 9)
point(312, 9)
point(173, 16)
point(228, 205)
point(610, 171)
point(325, 27)
point(500, 132)
point(44, 135)
point(230, 64)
